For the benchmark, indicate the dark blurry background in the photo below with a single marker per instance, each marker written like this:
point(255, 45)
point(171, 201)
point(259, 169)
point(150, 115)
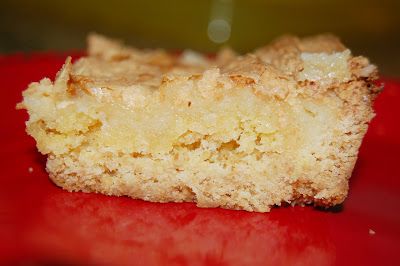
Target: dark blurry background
point(368, 27)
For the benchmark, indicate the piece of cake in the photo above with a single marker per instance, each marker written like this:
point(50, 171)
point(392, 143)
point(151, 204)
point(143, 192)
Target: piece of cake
point(280, 125)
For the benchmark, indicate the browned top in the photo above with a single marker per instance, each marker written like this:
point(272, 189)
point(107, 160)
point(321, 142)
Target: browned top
point(275, 69)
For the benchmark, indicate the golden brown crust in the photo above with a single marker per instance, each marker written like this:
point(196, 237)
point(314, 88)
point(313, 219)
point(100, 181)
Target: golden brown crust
point(280, 125)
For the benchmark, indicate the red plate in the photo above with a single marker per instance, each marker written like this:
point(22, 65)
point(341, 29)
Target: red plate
point(42, 224)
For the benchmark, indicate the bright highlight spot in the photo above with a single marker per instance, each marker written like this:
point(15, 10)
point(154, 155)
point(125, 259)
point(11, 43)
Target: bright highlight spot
point(219, 30)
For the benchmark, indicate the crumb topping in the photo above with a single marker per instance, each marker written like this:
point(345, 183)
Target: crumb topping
point(273, 71)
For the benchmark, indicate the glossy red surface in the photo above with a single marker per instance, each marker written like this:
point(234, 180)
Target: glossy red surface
point(43, 225)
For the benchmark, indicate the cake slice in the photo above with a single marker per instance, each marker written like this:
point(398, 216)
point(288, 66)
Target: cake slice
point(280, 125)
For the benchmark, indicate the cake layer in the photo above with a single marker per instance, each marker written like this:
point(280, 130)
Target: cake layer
point(283, 124)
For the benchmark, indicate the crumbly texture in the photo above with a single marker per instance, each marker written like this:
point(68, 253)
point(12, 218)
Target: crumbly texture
point(280, 125)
